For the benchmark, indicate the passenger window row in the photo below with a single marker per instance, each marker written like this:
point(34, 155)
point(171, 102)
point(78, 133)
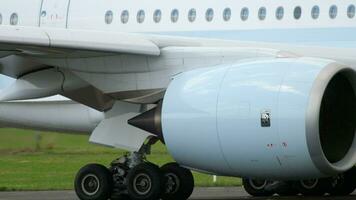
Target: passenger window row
point(209, 14)
point(14, 19)
point(227, 13)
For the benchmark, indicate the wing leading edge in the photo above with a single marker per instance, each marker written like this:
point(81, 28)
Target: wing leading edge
point(28, 40)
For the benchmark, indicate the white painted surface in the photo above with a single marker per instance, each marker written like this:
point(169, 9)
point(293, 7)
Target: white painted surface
point(35, 85)
point(62, 116)
point(222, 107)
point(74, 39)
point(114, 131)
point(54, 13)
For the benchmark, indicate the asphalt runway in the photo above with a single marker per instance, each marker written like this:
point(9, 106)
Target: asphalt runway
point(230, 193)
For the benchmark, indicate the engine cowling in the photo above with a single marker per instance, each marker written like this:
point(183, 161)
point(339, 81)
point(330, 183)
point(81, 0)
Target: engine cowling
point(289, 118)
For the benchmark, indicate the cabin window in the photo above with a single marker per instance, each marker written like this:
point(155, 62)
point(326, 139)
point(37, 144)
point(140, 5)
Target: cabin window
point(333, 12)
point(14, 19)
point(125, 16)
point(262, 13)
point(244, 14)
point(109, 16)
point(157, 16)
point(192, 15)
point(174, 15)
point(351, 11)
point(315, 12)
point(280, 13)
point(209, 15)
point(43, 13)
point(297, 12)
point(140, 16)
point(227, 14)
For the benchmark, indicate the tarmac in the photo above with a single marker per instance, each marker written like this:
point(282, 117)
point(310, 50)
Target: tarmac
point(215, 193)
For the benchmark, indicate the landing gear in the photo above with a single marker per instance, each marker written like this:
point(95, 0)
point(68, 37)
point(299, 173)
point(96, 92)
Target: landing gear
point(145, 182)
point(343, 184)
point(313, 187)
point(93, 182)
point(179, 182)
point(132, 177)
point(256, 187)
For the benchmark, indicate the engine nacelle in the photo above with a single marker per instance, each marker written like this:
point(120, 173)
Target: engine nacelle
point(53, 114)
point(289, 118)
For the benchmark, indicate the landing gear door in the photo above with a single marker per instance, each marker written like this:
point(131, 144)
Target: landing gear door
point(54, 13)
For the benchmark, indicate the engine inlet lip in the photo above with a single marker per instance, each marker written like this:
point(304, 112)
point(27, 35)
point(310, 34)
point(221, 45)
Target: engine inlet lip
point(312, 121)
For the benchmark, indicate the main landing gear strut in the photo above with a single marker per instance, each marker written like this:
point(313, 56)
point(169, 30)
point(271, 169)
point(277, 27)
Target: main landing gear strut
point(132, 177)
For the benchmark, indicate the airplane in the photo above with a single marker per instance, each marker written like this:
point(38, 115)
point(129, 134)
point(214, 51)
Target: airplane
point(263, 90)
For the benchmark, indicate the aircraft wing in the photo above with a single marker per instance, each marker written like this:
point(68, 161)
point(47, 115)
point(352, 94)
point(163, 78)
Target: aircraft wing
point(41, 41)
point(20, 48)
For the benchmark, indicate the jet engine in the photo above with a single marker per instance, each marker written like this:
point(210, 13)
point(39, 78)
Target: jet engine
point(283, 118)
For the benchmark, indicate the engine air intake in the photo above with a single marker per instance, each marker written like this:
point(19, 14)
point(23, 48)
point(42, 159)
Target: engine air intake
point(337, 118)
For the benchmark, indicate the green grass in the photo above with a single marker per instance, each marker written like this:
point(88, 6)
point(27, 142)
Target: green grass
point(54, 165)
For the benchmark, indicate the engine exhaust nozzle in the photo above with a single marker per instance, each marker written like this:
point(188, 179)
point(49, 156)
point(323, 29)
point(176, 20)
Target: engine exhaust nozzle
point(149, 121)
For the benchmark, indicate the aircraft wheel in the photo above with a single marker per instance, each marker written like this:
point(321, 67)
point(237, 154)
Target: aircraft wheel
point(313, 187)
point(344, 184)
point(93, 182)
point(256, 187)
point(145, 182)
point(179, 182)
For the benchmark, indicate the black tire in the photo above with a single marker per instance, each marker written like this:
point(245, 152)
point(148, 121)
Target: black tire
point(287, 189)
point(93, 182)
point(179, 182)
point(344, 184)
point(256, 188)
point(145, 182)
point(313, 187)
